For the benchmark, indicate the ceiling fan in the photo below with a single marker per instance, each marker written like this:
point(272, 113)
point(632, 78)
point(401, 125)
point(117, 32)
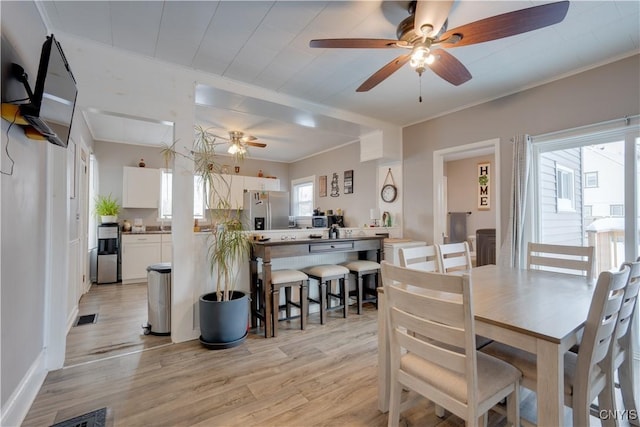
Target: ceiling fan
point(424, 34)
point(238, 142)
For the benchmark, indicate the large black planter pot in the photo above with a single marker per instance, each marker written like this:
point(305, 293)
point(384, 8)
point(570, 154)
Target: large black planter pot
point(223, 324)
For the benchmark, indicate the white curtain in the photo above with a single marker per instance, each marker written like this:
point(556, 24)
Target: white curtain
point(514, 245)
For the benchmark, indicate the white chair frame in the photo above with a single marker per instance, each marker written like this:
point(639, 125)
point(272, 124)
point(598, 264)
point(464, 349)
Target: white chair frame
point(454, 257)
point(423, 258)
point(561, 257)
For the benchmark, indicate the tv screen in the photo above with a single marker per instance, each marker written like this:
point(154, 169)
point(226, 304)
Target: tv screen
point(54, 98)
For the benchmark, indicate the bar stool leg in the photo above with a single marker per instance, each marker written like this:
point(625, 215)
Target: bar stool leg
point(344, 296)
point(275, 309)
point(287, 301)
point(360, 292)
point(304, 304)
point(323, 302)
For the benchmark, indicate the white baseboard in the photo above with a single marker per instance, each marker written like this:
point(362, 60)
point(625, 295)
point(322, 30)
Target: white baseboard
point(72, 318)
point(17, 407)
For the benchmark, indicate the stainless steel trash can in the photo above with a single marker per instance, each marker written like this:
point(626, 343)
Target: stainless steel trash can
point(159, 299)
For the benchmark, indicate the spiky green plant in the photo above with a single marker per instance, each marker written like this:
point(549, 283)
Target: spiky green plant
point(106, 205)
point(229, 244)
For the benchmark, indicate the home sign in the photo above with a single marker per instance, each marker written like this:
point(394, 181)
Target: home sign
point(484, 201)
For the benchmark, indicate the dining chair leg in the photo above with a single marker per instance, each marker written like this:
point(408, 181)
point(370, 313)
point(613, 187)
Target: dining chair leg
point(513, 408)
point(626, 375)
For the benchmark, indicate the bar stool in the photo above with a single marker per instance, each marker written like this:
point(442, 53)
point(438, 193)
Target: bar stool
point(324, 274)
point(361, 269)
point(287, 279)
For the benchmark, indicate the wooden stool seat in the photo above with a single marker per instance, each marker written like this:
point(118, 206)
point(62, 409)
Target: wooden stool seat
point(360, 269)
point(324, 274)
point(287, 279)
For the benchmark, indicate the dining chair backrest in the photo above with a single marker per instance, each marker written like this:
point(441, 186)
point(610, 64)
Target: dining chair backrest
point(629, 302)
point(562, 258)
point(590, 378)
point(422, 258)
point(454, 257)
point(430, 315)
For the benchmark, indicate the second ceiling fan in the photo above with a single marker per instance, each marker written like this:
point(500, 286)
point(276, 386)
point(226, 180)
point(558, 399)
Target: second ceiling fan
point(238, 142)
point(424, 34)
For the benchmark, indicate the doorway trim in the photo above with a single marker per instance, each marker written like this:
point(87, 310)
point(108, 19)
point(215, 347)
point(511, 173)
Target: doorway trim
point(490, 146)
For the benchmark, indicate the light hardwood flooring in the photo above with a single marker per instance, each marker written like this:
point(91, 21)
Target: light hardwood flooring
point(121, 310)
point(323, 376)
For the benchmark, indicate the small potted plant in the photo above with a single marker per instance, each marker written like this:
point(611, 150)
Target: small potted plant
point(107, 208)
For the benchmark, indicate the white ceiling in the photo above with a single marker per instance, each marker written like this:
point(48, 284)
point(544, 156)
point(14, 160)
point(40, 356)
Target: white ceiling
point(266, 44)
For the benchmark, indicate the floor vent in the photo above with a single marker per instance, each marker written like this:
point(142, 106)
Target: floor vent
point(86, 319)
point(97, 418)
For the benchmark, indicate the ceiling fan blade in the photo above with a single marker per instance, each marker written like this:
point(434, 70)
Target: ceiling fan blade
point(507, 24)
point(449, 68)
point(357, 43)
point(433, 13)
point(256, 144)
point(249, 138)
point(384, 72)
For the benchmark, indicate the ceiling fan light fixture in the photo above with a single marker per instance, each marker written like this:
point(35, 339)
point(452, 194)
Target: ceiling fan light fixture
point(421, 57)
point(233, 149)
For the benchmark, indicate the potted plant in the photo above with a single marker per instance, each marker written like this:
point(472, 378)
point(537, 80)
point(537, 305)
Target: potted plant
point(224, 313)
point(107, 208)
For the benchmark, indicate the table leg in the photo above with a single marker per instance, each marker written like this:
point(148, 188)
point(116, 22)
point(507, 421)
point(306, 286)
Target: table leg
point(550, 384)
point(384, 375)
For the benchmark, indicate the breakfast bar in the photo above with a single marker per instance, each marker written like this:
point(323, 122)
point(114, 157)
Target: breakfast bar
point(264, 252)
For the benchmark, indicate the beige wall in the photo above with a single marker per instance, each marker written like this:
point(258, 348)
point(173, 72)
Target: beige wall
point(364, 197)
point(601, 94)
point(462, 192)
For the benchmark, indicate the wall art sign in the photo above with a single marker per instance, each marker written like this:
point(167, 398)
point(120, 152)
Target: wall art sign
point(335, 189)
point(322, 186)
point(484, 198)
point(348, 182)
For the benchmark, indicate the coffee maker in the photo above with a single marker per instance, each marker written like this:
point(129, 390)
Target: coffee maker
point(335, 219)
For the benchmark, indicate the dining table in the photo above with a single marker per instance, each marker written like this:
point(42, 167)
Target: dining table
point(538, 311)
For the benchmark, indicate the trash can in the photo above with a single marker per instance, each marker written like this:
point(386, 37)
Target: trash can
point(159, 299)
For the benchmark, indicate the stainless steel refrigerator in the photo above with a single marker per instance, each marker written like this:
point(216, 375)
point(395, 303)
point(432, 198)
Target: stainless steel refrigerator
point(266, 210)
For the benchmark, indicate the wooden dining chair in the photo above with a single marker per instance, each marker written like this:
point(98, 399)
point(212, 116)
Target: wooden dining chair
point(454, 257)
point(621, 355)
point(561, 258)
point(585, 375)
point(440, 361)
point(423, 258)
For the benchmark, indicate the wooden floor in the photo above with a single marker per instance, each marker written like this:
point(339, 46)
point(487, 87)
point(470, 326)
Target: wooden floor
point(323, 376)
point(121, 310)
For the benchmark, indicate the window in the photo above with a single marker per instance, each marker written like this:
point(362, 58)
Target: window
point(166, 185)
point(616, 210)
point(591, 180)
point(302, 196)
point(564, 189)
point(588, 211)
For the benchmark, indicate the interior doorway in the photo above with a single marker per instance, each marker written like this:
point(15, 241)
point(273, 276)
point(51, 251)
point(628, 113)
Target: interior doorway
point(441, 183)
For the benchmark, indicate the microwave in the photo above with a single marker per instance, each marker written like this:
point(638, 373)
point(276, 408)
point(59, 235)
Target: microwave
point(319, 222)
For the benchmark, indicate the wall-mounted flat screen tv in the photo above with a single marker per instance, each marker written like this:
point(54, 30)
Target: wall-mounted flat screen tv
point(51, 108)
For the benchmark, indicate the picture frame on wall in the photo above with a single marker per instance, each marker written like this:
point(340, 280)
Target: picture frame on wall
point(322, 186)
point(348, 182)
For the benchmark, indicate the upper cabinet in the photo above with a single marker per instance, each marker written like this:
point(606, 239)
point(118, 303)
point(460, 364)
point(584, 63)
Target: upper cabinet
point(264, 184)
point(140, 187)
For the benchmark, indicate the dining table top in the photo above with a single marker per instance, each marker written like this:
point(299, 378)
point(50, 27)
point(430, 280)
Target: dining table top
point(542, 304)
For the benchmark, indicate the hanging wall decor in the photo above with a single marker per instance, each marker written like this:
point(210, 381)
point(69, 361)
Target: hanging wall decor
point(335, 190)
point(484, 200)
point(322, 186)
point(348, 182)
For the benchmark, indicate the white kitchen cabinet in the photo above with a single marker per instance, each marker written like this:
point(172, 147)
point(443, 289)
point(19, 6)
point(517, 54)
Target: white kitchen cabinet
point(165, 248)
point(138, 252)
point(264, 184)
point(140, 187)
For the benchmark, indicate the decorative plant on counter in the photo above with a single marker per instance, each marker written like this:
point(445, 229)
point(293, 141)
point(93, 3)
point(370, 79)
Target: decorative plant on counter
point(223, 313)
point(107, 206)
